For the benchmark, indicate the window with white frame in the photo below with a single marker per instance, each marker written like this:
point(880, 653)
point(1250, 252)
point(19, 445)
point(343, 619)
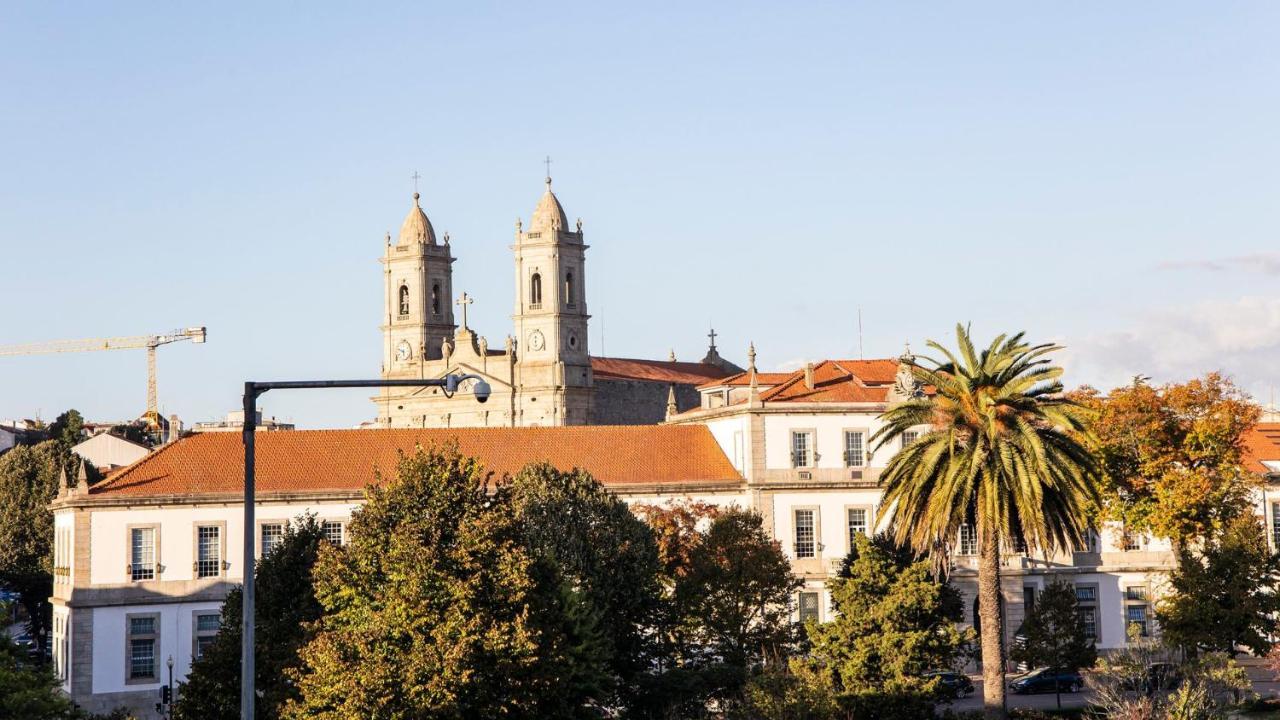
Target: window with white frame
point(806, 534)
point(1135, 609)
point(968, 540)
point(855, 449)
point(208, 551)
point(142, 553)
point(206, 628)
point(1130, 541)
point(909, 436)
point(808, 604)
point(271, 534)
point(1087, 608)
point(144, 636)
point(857, 518)
point(332, 530)
point(1275, 525)
point(801, 448)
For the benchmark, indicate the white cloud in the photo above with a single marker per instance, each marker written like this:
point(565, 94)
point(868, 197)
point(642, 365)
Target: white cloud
point(1239, 337)
point(1264, 263)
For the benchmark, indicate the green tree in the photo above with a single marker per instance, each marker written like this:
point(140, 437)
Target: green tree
point(737, 592)
point(894, 621)
point(1224, 593)
point(28, 483)
point(1174, 455)
point(1053, 635)
point(601, 553)
point(436, 608)
point(1006, 454)
point(285, 602)
point(28, 690)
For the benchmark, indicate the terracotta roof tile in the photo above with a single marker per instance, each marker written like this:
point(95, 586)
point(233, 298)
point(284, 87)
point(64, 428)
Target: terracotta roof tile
point(681, 373)
point(838, 381)
point(319, 460)
point(1262, 443)
point(743, 379)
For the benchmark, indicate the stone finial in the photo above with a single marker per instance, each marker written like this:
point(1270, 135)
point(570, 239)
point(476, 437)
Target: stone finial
point(519, 225)
point(671, 402)
point(82, 479)
point(63, 490)
point(751, 357)
point(671, 356)
point(388, 237)
point(751, 370)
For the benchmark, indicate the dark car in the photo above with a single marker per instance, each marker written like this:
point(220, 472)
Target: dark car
point(1156, 677)
point(1044, 680)
point(953, 684)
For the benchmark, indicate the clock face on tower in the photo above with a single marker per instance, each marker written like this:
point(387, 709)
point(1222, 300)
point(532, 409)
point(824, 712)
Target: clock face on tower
point(536, 341)
point(404, 351)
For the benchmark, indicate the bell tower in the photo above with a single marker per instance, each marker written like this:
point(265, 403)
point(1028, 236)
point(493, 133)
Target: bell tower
point(553, 372)
point(418, 286)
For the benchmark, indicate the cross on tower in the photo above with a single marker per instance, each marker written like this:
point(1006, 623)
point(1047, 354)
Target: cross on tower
point(547, 161)
point(463, 301)
point(415, 177)
point(712, 335)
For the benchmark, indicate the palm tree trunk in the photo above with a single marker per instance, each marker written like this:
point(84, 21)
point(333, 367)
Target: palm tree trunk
point(993, 690)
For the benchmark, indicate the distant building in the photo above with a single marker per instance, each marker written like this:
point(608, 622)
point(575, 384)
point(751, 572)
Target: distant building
point(234, 422)
point(107, 452)
point(8, 438)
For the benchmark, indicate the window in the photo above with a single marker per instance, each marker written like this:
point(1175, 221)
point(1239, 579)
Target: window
point(332, 530)
point(854, 448)
point(1135, 593)
point(208, 551)
point(141, 644)
point(968, 540)
point(1136, 615)
point(909, 437)
point(271, 534)
point(1028, 599)
point(404, 299)
point(535, 292)
point(1130, 541)
point(1087, 607)
point(435, 298)
point(570, 298)
point(142, 553)
point(1275, 525)
point(806, 537)
point(808, 603)
point(857, 524)
point(206, 628)
point(801, 448)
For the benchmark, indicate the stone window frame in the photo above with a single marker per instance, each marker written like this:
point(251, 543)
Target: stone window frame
point(197, 633)
point(1144, 602)
point(844, 446)
point(257, 536)
point(817, 532)
point(817, 606)
point(812, 452)
point(404, 304)
point(437, 290)
point(195, 548)
point(157, 566)
point(1095, 605)
point(129, 637)
point(570, 287)
point(344, 522)
point(870, 520)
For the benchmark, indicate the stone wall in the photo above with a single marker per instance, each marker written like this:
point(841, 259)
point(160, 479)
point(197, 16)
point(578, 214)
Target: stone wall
point(637, 402)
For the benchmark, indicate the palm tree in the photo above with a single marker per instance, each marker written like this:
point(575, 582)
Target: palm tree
point(1006, 454)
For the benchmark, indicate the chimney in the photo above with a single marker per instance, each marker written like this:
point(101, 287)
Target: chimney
point(808, 375)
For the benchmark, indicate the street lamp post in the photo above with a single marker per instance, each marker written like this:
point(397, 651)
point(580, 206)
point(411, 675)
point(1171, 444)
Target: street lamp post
point(252, 390)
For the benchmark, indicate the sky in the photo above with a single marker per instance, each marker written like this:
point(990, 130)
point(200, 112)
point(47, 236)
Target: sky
point(1102, 175)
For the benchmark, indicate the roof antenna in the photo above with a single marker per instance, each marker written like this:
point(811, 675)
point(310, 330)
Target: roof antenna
point(602, 334)
point(861, 356)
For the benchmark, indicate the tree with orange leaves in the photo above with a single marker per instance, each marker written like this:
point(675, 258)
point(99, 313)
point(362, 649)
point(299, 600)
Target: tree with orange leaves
point(1174, 455)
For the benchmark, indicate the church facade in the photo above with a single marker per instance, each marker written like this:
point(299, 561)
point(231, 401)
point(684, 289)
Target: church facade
point(542, 373)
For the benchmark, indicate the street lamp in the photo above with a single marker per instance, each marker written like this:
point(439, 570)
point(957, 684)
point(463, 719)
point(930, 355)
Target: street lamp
point(449, 383)
point(169, 694)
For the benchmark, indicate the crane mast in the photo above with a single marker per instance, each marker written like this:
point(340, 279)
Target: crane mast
point(149, 342)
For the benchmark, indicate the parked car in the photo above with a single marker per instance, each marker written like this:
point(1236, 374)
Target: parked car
point(1156, 677)
point(1042, 680)
point(953, 684)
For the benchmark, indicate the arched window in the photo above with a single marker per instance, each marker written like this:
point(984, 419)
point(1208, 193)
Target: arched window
point(568, 289)
point(404, 299)
point(435, 298)
point(535, 291)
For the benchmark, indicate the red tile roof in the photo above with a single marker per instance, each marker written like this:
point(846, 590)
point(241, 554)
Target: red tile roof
point(335, 460)
point(743, 379)
point(667, 371)
point(1262, 443)
point(838, 381)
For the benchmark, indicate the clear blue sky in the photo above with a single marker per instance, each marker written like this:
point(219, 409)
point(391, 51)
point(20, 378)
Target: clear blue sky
point(1101, 174)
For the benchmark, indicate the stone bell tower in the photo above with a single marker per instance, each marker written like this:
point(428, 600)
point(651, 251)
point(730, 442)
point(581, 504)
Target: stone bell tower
point(553, 373)
point(418, 286)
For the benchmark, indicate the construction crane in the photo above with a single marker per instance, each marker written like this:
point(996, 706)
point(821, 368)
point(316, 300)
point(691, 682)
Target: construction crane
point(150, 342)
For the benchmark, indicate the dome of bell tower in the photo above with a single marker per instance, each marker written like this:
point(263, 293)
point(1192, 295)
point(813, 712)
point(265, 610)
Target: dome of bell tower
point(548, 215)
point(416, 226)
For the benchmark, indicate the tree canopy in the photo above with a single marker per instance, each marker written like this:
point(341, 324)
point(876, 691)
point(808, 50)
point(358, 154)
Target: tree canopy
point(29, 479)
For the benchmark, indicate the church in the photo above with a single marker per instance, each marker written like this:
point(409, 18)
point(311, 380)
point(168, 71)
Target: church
point(541, 372)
